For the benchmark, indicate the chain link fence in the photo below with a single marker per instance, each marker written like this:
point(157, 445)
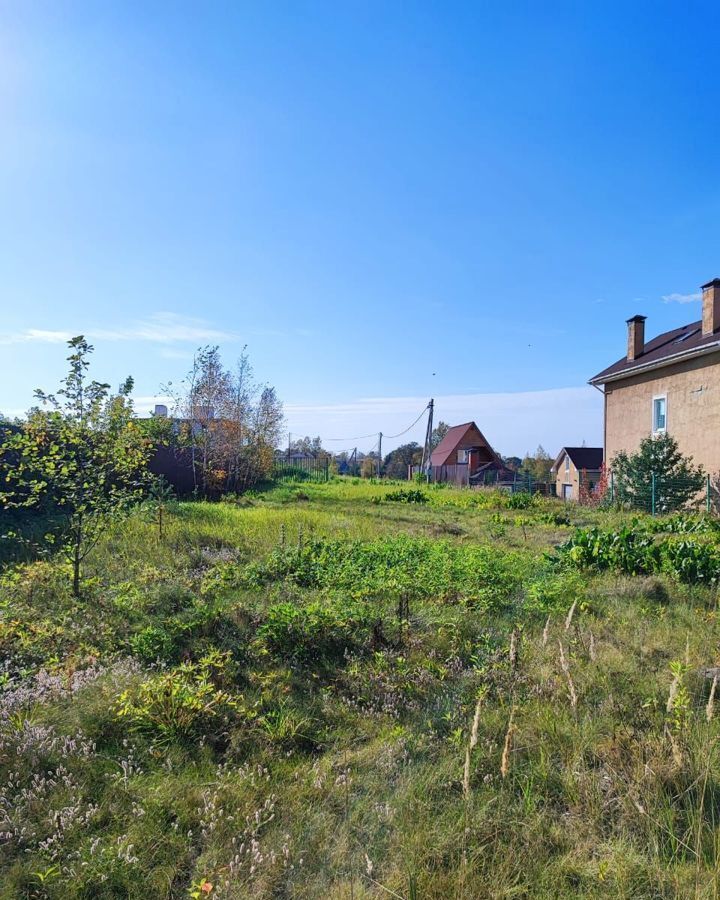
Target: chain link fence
point(657, 494)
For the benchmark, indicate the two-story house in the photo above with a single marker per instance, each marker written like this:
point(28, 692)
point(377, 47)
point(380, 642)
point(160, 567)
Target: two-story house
point(670, 383)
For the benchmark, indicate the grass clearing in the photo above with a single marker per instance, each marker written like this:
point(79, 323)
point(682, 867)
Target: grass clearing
point(278, 699)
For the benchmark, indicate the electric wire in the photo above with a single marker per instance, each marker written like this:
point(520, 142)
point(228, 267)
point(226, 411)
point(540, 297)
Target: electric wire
point(393, 436)
point(364, 437)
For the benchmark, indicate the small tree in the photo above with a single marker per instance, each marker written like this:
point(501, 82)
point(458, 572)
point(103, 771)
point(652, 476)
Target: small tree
point(398, 461)
point(82, 456)
point(657, 464)
point(538, 466)
point(231, 424)
point(438, 433)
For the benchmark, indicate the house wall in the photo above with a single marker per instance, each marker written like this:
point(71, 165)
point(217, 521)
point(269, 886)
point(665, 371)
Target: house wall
point(573, 478)
point(472, 439)
point(570, 477)
point(692, 389)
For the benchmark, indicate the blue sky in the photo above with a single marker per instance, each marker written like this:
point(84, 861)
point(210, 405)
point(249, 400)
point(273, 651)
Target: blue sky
point(384, 201)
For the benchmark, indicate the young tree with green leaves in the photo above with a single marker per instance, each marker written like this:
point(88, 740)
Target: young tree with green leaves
point(81, 455)
point(658, 465)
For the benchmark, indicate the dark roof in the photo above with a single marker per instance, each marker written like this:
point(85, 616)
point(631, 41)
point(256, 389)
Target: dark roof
point(669, 347)
point(590, 458)
point(452, 440)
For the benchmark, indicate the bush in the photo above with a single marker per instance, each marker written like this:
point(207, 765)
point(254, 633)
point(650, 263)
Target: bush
point(316, 631)
point(658, 467)
point(519, 500)
point(403, 496)
point(391, 568)
point(180, 702)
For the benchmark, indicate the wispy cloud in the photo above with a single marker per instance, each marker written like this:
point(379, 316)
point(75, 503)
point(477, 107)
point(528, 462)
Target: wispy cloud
point(160, 328)
point(145, 405)
point(512, 422)
point(681, 298)
point(36, 336)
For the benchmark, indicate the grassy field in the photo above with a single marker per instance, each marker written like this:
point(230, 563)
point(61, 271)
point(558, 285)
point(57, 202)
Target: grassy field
point(327, 691)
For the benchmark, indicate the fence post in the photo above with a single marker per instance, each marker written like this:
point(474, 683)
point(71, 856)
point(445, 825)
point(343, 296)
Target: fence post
point(707, 493)
point(653, 493)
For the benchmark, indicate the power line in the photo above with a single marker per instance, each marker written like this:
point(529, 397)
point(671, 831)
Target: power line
point(363, 437)
point(392, 436)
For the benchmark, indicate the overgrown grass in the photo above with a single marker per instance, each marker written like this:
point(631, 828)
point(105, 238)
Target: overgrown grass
point(308, 693)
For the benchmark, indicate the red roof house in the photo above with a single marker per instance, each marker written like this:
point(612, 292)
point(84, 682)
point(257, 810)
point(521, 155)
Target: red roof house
point(464, 455)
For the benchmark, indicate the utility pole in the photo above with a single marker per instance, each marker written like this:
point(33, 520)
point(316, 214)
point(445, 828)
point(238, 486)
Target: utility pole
point(427, 448)
point(379, 453)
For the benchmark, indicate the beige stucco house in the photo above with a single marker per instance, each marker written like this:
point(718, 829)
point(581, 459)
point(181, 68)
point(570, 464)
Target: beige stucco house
point(668, 384)
point(576, 466)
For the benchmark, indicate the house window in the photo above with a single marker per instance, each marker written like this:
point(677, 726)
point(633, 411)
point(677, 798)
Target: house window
point(567, 463)
point(659, 415)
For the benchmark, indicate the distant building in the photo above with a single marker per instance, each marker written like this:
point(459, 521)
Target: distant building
point(575, 467)
point(464, 456)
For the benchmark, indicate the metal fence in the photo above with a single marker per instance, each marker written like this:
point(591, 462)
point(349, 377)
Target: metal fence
point(459, 475)
point(293, 470)
point(514, 482)
point(659, 495)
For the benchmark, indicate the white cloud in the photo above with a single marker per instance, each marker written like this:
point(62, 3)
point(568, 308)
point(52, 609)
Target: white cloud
point(160, 328)
point(36, 335)
point(681, 298)
point(145, 405)
point(512, 422)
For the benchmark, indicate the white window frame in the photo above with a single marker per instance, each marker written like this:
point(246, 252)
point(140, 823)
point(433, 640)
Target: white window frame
point(567, 462)
point(655, 429)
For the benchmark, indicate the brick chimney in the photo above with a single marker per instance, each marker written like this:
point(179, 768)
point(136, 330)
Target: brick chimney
point(711, 307)
point(636, 336)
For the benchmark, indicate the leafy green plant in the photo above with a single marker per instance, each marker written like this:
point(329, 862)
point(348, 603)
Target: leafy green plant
point(390, 567)
point(554, 591)
point(180, 702)
point(554, 518)
point(633, 552)
point(519, 500)
point(406, 496)
point(316, 631)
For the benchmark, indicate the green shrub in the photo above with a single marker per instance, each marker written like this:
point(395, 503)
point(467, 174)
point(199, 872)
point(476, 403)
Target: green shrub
point(554, 591)
point(403, 496)
point(519, 500)
point(316, 631)
point(152, 643)
point(180, 702)
point(390, 568)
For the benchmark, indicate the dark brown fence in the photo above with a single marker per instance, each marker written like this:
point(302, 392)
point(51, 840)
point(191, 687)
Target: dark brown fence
point(176, 465)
